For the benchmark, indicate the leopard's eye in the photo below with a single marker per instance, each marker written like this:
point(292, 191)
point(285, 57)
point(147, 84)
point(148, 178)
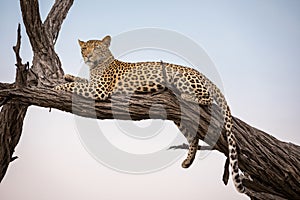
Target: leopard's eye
point(83, 48)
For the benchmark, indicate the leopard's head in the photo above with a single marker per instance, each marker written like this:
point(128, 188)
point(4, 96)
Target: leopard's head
point(96, 52)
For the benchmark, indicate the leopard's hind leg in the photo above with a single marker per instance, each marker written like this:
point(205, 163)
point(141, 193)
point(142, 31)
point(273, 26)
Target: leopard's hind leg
point(193, 141)
point(203, 97)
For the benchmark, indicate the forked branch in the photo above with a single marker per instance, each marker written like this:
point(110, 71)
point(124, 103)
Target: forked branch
point(55, 18)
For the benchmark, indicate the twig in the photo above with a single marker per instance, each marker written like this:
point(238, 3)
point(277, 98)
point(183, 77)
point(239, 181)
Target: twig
point(186, 146)
point(209, 148)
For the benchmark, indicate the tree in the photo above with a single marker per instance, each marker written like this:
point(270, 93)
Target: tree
point(273, 165)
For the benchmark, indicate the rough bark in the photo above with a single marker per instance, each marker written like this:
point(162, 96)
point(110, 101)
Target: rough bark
point(12, 114)
point(46, 67)
point(273, 165)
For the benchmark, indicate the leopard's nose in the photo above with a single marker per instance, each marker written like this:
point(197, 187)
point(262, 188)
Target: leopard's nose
point(87, 58)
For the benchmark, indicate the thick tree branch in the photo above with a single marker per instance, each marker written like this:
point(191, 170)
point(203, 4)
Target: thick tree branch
point(33, 23)
point(12, 114)
point(273, 165)
point(55, 18)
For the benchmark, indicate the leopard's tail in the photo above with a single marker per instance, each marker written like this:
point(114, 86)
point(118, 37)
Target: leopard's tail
point(232, 145)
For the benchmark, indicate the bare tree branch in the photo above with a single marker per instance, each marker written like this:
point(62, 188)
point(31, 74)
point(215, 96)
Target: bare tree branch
point(12, 114)
point(33, 23)
point(186, 146)
point(206, 148)
point(21, 76)
point(55, 18)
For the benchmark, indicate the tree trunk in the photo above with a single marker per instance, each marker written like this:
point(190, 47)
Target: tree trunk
point(273, 165)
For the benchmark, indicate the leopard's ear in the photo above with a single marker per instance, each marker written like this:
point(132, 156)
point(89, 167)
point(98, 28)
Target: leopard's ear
point(106, 40)
point(81, 43)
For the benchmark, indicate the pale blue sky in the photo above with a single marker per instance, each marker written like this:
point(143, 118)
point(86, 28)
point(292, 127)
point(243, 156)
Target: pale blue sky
point(255, 46)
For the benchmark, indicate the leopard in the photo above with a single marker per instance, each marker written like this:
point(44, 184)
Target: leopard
point(109, 76)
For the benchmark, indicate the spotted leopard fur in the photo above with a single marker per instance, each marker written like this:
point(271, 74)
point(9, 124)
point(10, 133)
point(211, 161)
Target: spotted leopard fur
point(110, 76)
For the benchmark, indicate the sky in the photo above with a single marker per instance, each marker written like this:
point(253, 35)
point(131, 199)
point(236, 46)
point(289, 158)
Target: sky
point(254, 46)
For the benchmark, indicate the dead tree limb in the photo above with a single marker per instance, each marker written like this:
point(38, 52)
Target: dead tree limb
point(273, 165)
point(12, 113)
point(186, 146)
point(55, 18)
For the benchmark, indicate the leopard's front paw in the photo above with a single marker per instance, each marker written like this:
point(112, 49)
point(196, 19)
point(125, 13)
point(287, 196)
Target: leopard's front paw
point(69, 77)
point(58, 87)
